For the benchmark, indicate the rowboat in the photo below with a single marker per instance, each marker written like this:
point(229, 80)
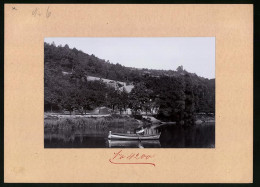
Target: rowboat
point(122, 136)
point(134, 143)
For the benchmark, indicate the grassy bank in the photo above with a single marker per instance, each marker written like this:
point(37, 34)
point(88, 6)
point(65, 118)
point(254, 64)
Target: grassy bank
point(104, 123)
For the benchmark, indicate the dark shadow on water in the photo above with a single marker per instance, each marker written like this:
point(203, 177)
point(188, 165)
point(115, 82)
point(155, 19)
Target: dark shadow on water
point(198, 136)
point(174, 136)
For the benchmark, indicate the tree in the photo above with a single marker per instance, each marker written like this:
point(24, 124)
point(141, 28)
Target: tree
point(140, 97)
point(68, 101)
point(189, 101)
point(179, 69)
point(123, 100)
point(168, 95)
point(51, 98)
point(113, 98)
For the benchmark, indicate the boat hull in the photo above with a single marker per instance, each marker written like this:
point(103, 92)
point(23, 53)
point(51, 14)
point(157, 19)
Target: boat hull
point(133, 137)
point(134, 143)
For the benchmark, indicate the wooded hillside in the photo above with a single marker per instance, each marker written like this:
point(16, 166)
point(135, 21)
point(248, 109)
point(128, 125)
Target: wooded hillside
point(176, 94)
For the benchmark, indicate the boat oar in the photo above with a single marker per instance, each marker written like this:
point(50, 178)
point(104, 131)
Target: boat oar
point(138, 137)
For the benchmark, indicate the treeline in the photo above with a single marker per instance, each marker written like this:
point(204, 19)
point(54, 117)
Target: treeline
point(176, 95)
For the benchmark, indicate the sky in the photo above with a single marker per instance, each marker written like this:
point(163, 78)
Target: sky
point(195, 54)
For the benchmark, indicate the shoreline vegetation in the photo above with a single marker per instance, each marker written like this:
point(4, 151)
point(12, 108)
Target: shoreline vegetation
point(125, 123)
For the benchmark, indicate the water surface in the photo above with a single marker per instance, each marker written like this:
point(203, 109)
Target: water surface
point(172, 136)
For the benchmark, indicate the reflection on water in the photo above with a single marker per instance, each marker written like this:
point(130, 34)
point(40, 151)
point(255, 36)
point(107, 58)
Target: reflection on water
point(197, 136)
point(134, 143)
point(172, 136)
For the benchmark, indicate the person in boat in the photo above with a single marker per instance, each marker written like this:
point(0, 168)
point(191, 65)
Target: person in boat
point(141, 131)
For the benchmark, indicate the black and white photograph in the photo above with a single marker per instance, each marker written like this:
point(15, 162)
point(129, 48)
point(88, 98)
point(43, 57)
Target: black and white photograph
point(129, 92)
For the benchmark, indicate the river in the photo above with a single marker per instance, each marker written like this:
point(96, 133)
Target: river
point(172, 136)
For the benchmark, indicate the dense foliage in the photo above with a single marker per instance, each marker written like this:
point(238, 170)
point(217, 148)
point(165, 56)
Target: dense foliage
point(173, 95)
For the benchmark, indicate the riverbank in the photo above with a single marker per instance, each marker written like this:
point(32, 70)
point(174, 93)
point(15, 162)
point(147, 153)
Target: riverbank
point(201, 118)
point(122, 124)
point(108, 121)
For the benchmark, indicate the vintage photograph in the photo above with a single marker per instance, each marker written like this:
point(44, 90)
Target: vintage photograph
point(129, 92)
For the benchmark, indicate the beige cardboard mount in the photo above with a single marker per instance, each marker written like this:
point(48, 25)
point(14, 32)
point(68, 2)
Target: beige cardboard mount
point(26, 160)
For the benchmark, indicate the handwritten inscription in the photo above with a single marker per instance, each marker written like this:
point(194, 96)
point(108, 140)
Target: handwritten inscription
point(48, 13)
point(37, 12)
point(120, 157)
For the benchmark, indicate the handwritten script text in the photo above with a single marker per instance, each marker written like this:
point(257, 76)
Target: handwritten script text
point(37, 12)
point(120, 157)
